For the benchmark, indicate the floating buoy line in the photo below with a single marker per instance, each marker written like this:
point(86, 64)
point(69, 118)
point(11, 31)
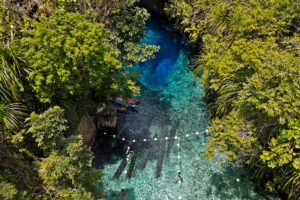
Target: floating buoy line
point(155, 138)
point(159, 139)
point(178, 157)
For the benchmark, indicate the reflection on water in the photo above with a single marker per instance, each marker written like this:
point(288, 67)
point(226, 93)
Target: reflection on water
point(172, 103)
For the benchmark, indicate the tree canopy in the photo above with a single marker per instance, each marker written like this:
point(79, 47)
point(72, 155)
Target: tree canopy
point(76, 63)
point(249, 62)
point(60, 53)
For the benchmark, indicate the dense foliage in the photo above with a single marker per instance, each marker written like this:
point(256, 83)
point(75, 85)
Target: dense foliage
point(66, 53)
point(127, 30)
point(69, 56)
point(249, 59)
point(126, 23)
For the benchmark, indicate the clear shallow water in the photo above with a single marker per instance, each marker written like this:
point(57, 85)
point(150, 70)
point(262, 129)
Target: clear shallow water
point(172, 103)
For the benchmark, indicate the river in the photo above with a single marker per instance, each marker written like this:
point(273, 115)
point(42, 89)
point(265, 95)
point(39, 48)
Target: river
point(172, 104)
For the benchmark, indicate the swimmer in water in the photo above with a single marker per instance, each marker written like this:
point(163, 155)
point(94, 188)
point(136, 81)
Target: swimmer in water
point(129, 153)
point(178, 177)
point(123, 193)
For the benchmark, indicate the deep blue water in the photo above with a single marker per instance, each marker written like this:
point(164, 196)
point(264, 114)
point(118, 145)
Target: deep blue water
point(155, 72)
point(172, 104)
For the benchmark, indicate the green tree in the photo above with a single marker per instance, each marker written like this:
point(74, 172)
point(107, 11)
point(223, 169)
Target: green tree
point(48, 129)
point(127, 29)
point(249, 62)
point(12, 112)
point(124, 20)
point(70, 168)
point(66, 165)
point(70, 56)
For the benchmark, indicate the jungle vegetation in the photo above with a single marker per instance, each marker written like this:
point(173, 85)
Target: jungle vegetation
point(248, 59)
point(58, 55)
point(55, 57)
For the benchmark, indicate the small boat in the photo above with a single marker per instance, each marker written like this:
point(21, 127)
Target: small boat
point(129, 103)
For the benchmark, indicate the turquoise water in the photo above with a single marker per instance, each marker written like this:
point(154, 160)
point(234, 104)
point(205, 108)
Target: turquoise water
point(172, 104)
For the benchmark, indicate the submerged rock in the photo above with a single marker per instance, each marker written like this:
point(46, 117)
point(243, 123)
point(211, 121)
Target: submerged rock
point(87, 129)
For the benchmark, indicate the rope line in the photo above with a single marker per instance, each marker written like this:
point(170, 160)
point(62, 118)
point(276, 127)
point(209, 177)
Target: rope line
point(155, 138)
point(179, 168)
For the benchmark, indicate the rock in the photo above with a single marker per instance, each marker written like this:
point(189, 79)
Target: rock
point(87, 129)
point(154, 5)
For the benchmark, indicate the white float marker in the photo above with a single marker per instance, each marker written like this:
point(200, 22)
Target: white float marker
point(105, 133)
point(175, 137)
point(133, 140)
point(179, 197)
point(155, 139)
point(145, 140)
point(178, 144)
point(187, 135)
point(166, 138)
point(123, 139)
point(197, 133)
point(114, 136)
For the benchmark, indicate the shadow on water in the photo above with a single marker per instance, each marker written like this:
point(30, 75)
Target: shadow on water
point(106, 149)
point(171, 135)
point(136, 125)
point(232, 183)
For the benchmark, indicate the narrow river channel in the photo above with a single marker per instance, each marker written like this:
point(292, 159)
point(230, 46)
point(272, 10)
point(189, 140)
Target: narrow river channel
point(172, 104)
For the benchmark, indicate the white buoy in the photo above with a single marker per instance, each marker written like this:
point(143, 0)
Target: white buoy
point(145, 140)
point(178, 157)
point(123, 139)
point(187, 135)
point(197, 133)
point(166, 138)
point(179, 197)
point(237, 180)
point(176, 137)
point(155, 139)
point(125, 172)
point(114, 136)
point(178, 144)
point(105, 133)
point(206, 130)
point(133, 140)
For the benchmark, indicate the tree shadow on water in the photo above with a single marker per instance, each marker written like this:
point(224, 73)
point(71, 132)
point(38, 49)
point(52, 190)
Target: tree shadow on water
point(107, 150)
point(116, 195)
point(232, 183)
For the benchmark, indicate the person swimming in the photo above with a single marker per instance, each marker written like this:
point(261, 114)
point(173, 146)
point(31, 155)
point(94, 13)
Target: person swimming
point(129, 153)
point(123, 193)
point(178, 177)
